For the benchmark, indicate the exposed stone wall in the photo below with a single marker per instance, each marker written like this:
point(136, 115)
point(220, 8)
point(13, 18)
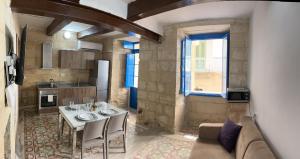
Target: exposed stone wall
point(212, 109)
point(159, 101)
point(119, 94)
point(157, 82)
point(34, 74)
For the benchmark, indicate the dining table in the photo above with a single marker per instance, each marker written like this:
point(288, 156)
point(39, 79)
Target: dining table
point(70, 116)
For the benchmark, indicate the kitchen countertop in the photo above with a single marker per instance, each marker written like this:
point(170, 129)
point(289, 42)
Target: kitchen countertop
point(63, 85)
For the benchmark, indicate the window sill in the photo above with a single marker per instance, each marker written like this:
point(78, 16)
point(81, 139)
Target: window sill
point(205, 94)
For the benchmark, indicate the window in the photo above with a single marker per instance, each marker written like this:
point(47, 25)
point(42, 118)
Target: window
point(132, 64)
point(205, 64)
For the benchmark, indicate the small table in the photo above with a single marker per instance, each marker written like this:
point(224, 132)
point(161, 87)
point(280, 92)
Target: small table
point(75, 124)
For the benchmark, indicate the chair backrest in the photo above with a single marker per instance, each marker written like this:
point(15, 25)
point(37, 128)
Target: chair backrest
point(95, 129)
point(117, 123)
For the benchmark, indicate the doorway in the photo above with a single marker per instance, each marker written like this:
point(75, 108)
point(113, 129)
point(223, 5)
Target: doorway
point(132, 71)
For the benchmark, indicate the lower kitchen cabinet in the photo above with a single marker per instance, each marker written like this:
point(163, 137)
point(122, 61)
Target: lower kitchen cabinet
point(77, 94)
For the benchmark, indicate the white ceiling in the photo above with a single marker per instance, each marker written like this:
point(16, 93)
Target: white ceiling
point(129, 1)
point(76, 27)
point(33, 21)
point(211, 10)
point(116, 7)
point(41, 23)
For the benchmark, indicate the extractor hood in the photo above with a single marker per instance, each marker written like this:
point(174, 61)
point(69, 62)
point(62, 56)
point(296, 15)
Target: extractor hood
point(89, 46)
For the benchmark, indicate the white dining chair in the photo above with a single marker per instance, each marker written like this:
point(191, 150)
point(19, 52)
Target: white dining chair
point(117, 126)
point(94, 134)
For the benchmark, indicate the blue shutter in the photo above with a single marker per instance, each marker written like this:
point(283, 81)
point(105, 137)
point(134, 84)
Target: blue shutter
point(186, 49)
point(128, 45)
point(187, 66)
point(225, 65)
point(129, 81)
point(182, 66)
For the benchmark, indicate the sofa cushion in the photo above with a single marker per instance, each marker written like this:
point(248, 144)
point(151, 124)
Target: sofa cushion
point(229, 134)
point(258, 150)
point(209, 149)
point(210, 130)
point(248, 134)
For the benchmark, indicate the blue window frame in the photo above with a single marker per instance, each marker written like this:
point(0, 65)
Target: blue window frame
point(132, 62)
point(192, 62)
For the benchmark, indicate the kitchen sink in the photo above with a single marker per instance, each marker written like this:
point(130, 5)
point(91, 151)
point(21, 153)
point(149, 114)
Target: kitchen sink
point(65, 85)
point(46, 86)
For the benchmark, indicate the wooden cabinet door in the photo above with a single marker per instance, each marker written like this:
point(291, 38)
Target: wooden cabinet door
point(76, 94)
point(76, 59)
point(88, 59)
point(65, 59)
point(70, 59)
point(64, 93)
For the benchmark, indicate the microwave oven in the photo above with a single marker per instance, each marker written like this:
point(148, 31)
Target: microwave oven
point(238, 95)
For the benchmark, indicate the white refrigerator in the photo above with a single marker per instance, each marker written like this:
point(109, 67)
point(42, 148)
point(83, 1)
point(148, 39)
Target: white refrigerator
point(99, 77)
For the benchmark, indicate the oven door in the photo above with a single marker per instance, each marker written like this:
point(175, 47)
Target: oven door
point(48, 102)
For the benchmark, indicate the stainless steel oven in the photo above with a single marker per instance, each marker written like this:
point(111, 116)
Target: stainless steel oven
point(48, 99)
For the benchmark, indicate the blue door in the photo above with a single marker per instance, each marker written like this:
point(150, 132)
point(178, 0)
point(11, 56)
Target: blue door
point(132, 61)
point(133, 98)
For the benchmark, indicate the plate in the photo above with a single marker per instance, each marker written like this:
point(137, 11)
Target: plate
point(86, 116)
point(71, 107)
point(108, 112)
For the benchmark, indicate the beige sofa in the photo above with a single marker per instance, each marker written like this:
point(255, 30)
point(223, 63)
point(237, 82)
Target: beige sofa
point(250, 144)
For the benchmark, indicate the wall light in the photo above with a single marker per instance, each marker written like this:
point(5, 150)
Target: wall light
point(67, 35)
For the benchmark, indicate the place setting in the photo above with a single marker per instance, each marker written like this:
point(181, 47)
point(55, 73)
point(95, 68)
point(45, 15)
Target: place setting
point(105, 109)
point(86, 116)
point(88, 112)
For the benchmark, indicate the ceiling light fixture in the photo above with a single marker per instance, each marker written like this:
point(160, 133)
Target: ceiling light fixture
point(67, 35)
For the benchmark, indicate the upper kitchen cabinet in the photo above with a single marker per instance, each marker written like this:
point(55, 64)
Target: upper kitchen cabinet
point(88, 60)
point(76, 59)
point(82, 58)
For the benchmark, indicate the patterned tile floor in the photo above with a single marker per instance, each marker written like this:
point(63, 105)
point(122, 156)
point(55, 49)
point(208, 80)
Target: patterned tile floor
point(40, 141)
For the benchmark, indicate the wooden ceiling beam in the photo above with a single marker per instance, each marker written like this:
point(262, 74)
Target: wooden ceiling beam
point(93, 31)
point(82, 14)
point(140, 9)
point(56, 25)
point(74, 1)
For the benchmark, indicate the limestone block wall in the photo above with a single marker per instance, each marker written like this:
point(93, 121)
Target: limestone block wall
point(211, 109)
point(118, 93)
point(157, 82)
point(159, 101)
point(33, 62)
